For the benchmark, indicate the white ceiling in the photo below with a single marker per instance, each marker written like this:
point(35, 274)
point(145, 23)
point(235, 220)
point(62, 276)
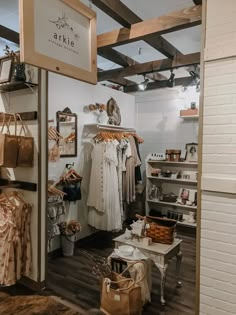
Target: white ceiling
point(187, 41)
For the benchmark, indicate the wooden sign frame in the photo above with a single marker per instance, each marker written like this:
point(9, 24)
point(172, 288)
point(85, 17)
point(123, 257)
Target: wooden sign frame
point(68, 45)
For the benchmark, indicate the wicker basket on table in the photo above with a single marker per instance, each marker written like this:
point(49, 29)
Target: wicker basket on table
point(160, 230)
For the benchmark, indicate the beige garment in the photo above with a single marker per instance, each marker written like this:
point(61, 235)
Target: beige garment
point(136, 272)
point(15, 243)
point(131, 163)
point(7, 254)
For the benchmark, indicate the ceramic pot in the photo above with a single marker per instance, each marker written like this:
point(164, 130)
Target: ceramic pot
point(18, 73)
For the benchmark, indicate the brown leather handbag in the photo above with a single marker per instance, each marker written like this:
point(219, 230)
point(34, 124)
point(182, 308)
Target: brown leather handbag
point(8, 145)
point(25, 156)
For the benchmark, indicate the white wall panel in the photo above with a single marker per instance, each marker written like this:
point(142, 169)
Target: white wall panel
point(218, 208)
point(158, 120)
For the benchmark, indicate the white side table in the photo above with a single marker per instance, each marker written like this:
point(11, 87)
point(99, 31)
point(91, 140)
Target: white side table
point(161, 255)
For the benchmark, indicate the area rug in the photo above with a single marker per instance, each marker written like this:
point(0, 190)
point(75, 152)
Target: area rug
point(32, 305)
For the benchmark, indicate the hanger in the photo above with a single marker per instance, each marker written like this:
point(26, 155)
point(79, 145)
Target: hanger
point(71, 175)
point(56, 192)
point(18, 196)
point(5, 198)
point(140, 140)
point(53, 134)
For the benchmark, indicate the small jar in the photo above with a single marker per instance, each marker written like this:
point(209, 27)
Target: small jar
point(169, 155)
point(176, 155)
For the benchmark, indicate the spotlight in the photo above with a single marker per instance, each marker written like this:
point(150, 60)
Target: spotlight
point(143, 85)
point(171, 80)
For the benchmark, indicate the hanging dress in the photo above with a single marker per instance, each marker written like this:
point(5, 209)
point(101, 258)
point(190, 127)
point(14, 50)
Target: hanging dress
point(103, 201)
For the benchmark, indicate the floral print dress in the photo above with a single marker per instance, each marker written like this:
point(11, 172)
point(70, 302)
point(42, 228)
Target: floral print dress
point(15, 242)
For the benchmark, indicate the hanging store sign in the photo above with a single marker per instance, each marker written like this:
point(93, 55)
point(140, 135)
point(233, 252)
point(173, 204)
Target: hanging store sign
point(59, 36)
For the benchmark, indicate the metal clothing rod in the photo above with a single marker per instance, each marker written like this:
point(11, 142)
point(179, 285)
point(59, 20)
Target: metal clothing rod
point(115, 128)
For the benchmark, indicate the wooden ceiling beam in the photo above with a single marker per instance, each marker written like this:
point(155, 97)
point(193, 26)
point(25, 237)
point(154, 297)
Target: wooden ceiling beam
point(118, 11)
point(165, 24)
point(197, 2)
point(123, 82)
point(120, 81)
point(151, 66)
point(9, 34)
point(125, 61)
point(185, 81)
point(116, 57)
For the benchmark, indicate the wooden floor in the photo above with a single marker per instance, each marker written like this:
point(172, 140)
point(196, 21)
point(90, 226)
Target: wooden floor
point(72, 277)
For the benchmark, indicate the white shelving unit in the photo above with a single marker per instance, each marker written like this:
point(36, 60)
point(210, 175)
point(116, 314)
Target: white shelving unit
point(188, 180)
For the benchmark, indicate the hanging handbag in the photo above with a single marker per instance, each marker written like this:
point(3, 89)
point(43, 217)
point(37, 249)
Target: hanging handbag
point(25, 156)
point(8, 145)
point(72, 190)
point(121, 295)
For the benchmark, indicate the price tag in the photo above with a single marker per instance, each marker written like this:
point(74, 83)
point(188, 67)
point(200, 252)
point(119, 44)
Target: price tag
point(117, 297)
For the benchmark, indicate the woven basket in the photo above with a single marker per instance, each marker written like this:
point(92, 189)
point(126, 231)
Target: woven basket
point(161, 230)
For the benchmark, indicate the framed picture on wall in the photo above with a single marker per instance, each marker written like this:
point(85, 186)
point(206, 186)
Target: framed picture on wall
point(191, 152)
point(5, 70)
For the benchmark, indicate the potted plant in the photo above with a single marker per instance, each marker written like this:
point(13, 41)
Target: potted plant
point(18, 68)
point(68, 231)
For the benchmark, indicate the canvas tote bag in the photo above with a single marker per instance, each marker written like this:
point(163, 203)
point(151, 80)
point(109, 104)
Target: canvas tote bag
point(120, 295)
point(25, 156)
point(8, 144)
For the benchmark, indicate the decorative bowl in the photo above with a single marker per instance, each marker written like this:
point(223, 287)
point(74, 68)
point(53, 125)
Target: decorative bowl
point(126, 250)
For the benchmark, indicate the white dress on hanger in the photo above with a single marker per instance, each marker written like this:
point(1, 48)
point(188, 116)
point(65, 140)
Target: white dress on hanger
point(109, 218)
point(96, 185)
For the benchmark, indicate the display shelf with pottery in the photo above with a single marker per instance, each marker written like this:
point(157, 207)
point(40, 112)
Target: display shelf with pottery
point(172, 178)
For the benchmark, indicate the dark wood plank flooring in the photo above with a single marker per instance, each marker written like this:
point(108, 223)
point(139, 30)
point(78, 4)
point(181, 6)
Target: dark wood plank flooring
point(72, 277)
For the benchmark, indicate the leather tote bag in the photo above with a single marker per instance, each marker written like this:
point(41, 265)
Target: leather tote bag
point(120, 295)
point(8, 145)
point(25, 156)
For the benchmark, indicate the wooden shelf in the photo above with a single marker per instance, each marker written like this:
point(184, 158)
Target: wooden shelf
point(190, 117)
point(5, 183)
point(172, 204)
point(24, 116)
point(15, 86)
point(187, 224)
point(174, 163)
point(177, 180)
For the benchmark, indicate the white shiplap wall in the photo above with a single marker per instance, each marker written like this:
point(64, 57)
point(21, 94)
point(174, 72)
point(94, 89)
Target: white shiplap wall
point(218, 206)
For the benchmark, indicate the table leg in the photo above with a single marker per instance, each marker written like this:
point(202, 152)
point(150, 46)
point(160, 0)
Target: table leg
point(178, 264)
point(162, 270)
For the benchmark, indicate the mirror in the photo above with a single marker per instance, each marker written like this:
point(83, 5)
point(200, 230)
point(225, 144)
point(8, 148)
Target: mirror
point(67, 128)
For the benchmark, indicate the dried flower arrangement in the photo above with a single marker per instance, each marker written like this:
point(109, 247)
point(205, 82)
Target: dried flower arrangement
point(18, 71)
point(69, 228)
point(97, 106)
point(12, 54)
